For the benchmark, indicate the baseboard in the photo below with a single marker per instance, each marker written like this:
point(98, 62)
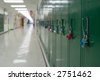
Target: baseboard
point(3, 32)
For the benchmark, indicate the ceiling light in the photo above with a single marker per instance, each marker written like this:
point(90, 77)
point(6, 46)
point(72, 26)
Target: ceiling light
point(57, 1)
point(50, 9)
point(52, 6)
point(18, 6)
point(21, 9)
point(49, 6)
point(13, 1)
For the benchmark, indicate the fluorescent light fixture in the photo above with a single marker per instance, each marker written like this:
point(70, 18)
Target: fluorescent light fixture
point(16, 61)
point(49, 6)
point(21, 9)
point(52, 6)
point(49, 9)
point(57, 1)
point(17, 6)
point(59, 6)
point(13, 1)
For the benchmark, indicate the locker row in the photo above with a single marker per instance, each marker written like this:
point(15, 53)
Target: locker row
point(69, 31)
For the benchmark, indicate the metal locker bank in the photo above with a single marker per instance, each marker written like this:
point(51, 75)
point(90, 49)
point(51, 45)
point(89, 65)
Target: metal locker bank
point(72, 32)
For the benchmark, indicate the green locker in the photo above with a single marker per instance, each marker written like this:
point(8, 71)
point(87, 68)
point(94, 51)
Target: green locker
point(74, 24)
point(58, 50)
point(81, 19)
point(58, 38)
point(1, 22)
point(49, 46)
point(53, 49)
point(53, 46)
point(51, 55)
point(90, 54)
point(46, 41)
point(54, 38)
point(49, 40)
point(64, 45)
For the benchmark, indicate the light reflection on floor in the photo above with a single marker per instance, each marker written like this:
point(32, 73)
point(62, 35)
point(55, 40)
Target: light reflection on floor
point(19, 61)
point(24, 48)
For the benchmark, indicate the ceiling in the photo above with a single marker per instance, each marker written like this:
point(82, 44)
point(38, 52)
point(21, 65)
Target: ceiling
point(31, 5)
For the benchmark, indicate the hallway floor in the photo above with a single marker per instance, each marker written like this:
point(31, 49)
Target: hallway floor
point(20, 48)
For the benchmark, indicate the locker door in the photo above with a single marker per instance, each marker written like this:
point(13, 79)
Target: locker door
point(47, 40)
point(58, 50)
point(75, 23)
point(58, 39)
point(50, 45)
point(90, 55)
point(64, 45)
point(53, 40)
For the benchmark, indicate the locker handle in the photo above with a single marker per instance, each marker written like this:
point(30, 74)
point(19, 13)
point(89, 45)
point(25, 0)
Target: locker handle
point(85, 32)
point(87, 26)
point(62, 27)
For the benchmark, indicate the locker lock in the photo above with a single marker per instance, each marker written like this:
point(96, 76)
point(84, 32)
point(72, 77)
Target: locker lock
point(84, 42)
point(85, 32)
point(49, 29)
point(69, 36)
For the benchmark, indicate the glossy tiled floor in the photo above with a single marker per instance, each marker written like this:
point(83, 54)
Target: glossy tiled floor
point(20, 48)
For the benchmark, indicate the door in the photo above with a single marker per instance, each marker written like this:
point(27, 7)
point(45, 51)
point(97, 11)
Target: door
point(90, 54)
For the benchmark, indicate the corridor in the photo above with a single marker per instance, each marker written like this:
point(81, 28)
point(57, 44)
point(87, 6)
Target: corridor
point(20, 48)
point(65, 33)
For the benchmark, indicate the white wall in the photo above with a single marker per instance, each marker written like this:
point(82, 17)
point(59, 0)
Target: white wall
point(1, 11)
point(11, 20)
point(6, 25)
